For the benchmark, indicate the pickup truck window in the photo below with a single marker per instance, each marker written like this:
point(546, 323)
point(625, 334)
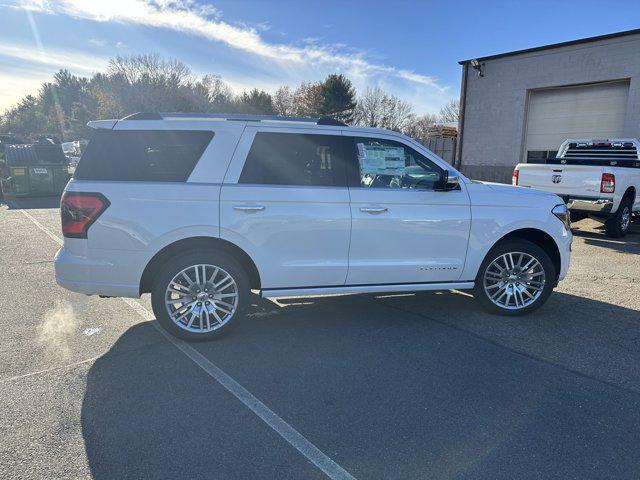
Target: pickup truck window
point(540, 156)
point(389, 164)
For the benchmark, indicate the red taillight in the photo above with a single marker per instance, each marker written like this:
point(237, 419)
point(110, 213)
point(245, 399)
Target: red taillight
point(79, 211)
point(516, 175)
point(608, 183)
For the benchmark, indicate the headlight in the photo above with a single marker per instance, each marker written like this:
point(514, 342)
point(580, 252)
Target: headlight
point(562, 212)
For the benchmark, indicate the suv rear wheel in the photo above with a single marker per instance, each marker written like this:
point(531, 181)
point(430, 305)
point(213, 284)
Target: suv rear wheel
point(515, 278)
point(199, 295)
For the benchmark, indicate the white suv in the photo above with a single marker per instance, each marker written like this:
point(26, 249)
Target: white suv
point(199, 210)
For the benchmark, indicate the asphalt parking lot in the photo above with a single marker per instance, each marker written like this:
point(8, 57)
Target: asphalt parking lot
point(385, 386)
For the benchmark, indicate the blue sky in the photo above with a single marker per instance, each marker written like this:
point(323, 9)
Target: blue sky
point(410, 49)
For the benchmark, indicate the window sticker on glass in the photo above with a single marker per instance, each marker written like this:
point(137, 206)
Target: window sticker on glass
point(381, 160)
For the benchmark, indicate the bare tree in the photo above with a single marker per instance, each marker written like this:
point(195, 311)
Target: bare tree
point(419, 128)
point(397, 114)
point(307, 100)
point(283, 101)
point(376, 108)
point(369, 107)
point(150, 68)
point(450, 112)
point(217, 90)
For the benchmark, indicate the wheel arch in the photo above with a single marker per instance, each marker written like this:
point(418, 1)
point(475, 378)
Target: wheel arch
point(192, 243)
point(630, 193)
point(539, 238)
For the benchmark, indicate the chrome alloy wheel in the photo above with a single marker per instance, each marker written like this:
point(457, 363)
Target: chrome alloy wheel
point(625, 219)
point(201, 298)
point(514, 280)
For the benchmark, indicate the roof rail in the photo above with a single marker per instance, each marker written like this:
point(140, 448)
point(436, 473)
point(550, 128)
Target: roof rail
point(143, 116)
point(331, 121)
point(234, 117)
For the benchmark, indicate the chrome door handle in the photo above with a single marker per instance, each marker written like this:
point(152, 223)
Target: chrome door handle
point(374, 209)
point(249, 208)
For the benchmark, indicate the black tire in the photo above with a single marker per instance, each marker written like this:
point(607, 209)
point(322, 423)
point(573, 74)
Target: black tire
point(618, 224)
point(226, 263)
point(512, 246)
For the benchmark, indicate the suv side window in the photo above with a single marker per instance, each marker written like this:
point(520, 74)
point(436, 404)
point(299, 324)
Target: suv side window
point(390, 164)
point(296, 159)
point(142, 155)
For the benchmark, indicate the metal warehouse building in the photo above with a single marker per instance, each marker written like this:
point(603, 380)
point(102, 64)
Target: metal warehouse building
point(520, 106)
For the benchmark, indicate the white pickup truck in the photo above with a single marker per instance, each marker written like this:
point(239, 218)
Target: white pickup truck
point(598, 178)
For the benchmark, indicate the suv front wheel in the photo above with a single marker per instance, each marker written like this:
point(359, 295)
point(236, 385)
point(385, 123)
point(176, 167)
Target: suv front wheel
point(515, 278)
point(199, 295)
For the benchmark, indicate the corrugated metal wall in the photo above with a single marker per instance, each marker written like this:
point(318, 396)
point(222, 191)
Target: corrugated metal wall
point(445, 148)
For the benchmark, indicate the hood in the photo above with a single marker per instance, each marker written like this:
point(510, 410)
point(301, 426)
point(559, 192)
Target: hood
point(508, 195)
point(504, 188)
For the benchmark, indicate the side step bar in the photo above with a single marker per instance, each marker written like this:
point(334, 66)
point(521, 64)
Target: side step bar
point(346, 290)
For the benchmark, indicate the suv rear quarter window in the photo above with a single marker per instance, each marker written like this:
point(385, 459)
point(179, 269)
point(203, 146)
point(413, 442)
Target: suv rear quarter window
point(296, 159)
point(142, 155)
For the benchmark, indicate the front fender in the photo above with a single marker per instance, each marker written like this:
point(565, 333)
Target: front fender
point(492, 223)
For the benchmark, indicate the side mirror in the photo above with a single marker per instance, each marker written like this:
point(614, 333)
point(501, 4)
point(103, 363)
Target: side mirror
point(449, 181)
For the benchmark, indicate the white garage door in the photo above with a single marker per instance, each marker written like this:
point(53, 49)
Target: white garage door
point(593, 111)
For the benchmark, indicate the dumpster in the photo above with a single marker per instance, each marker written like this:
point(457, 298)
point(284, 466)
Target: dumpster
point(33, 170)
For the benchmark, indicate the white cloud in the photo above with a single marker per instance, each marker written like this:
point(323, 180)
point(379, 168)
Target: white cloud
point(73, 60)
point(188, 17)
point(284, 63)
point(97, 42)
point(41, 6)
point(30, 68)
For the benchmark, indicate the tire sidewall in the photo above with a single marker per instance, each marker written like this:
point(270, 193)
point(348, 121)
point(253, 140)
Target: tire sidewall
point(516, 245)
point(168, 271)
point(613, 226)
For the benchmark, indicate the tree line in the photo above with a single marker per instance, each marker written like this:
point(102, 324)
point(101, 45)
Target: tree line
point(147, 83)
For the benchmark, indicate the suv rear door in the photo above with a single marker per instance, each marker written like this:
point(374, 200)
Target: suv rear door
point(403, 230)
point(285, 201)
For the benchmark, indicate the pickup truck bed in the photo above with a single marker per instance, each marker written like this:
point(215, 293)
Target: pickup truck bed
point(599, 178)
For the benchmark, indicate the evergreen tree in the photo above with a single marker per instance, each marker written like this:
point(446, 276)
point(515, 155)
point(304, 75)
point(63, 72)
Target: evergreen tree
point(338, 98)
point(256, 102)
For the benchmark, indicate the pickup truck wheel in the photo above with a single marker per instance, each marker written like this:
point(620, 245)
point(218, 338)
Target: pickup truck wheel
point(618, 224)
point(199, 295)
point(515, 278)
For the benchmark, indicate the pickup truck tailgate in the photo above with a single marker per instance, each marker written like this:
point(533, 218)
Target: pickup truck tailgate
point(566, 180)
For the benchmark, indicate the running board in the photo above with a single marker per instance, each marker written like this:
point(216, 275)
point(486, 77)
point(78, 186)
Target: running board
point(406, 287)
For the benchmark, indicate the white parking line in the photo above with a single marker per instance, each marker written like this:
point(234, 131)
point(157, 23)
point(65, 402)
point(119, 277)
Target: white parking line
point(52, 235)
point(47, 370)
point(268, 416)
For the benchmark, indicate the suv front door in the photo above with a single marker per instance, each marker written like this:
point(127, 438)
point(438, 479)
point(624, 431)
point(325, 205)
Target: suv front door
point(403, 229)
point(285, 202)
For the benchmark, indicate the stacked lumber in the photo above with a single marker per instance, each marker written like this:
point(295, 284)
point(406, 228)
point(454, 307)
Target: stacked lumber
point(442, 131)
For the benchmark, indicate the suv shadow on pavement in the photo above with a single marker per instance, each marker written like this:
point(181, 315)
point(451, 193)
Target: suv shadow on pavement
point(408, 385)
point(29, 203)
